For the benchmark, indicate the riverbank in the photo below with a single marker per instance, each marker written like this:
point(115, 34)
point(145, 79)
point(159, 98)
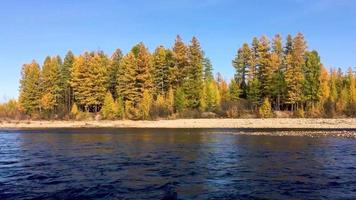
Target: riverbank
point(273, 123)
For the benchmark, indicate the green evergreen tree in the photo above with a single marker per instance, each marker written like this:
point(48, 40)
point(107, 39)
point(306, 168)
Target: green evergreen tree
point(241, 64)
point(193, 83)
point(208, 69)
point(67, 93)
point(113, 71)
point(311, 82)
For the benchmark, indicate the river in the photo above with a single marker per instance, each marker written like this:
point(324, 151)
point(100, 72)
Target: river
point(169, 163)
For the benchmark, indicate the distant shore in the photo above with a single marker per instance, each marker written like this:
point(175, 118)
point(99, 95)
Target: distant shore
point(271, 123)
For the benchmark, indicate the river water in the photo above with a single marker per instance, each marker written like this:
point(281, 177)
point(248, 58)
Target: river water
point(169, 163)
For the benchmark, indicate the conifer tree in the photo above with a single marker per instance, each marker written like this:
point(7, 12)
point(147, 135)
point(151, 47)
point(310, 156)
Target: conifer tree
point(234, 91)
point(254, 92)
point(30, 94)
point(241, 65)
point(277, 59)
point(161, 71)
point(180, 101)
point(266, 70)
point(113, 71)
point(208, 69)
point(294, 74)
point(126, 78)
point(143, 78)
point(181, 61)
point(67, 93)
point(193, 83)
point(51, 83)
point(311, 82)
point(89, 80)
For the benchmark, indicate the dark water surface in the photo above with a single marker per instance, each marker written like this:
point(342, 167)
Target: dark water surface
point(194, 164)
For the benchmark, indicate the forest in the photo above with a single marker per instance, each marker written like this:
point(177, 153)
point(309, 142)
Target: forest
point(273, 78)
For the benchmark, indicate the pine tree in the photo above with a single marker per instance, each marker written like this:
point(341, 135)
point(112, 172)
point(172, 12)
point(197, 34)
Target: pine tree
point(208, 69)
point(30, 94)
point(254, 65)
point(265, 68)
point(254, 92)
point(113, 71)
point(277, 58)
point(143, 78)
point(311, 83)
point(161, 67)
point(289, 45)
point(67, 93)
point(181, 61)
point(241, 64)
point(193, 83)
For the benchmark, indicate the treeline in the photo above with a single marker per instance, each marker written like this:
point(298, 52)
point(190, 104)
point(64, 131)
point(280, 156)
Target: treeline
point(178, 82)
point(290, 77)
point(175, 82)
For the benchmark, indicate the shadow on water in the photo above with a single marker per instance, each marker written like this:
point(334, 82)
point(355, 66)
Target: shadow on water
point(173, 164)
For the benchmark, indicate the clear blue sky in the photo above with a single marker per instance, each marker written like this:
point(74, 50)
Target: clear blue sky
point(34, 29)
